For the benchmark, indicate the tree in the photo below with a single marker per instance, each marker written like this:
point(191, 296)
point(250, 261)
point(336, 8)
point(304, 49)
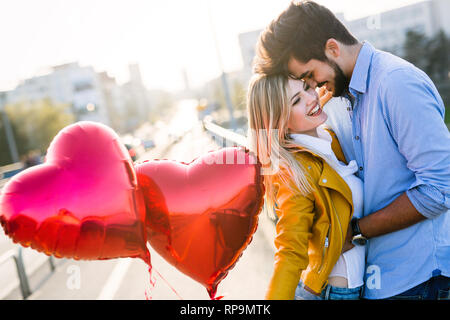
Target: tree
point(438, 65)
point(5, 156)
point(238, 96)
point(415, 49)
point(35, 124)
point(432, 55)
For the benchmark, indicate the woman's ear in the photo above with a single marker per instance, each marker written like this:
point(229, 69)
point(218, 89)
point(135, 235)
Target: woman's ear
point(332, 48)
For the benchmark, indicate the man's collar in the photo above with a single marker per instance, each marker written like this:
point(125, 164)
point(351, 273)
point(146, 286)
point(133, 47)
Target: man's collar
point(358, 81)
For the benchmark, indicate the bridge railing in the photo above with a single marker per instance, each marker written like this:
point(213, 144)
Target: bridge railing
point(24, 283)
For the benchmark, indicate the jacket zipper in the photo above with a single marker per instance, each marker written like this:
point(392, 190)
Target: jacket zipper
point(326, 244)
point(339, 221)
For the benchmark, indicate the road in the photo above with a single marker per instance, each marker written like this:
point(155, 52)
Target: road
point(128, 279)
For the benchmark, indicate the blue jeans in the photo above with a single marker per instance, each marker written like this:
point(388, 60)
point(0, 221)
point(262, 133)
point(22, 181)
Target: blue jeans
point(436, 288)
point(329, 293)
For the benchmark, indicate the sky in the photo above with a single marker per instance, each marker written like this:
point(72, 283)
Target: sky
point(163, 36)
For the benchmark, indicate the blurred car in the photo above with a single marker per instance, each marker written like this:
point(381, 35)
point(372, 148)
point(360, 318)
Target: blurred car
point(148, 144)
point(131, 151)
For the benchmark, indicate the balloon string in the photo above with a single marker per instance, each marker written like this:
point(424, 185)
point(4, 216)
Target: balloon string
point(171, 288)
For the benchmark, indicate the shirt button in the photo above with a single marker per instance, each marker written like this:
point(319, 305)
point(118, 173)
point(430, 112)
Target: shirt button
point(324, 180)
point(360, 168)
point(309, 167)
point(357, 138)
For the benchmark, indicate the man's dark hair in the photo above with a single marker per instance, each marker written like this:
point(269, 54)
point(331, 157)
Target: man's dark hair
point(300, 32)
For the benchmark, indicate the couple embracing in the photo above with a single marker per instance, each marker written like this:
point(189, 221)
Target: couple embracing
point(362, 206)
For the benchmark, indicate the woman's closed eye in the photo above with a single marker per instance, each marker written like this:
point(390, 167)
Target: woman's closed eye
point(306, 86)
point(297, 97)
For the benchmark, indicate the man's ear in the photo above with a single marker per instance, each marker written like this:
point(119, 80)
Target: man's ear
point(332, 49)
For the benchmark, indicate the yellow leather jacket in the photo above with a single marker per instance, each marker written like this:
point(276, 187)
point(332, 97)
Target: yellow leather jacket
point(311, 229)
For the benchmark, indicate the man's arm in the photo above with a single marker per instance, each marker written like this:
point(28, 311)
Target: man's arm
point(414, 113)
point(398, 215)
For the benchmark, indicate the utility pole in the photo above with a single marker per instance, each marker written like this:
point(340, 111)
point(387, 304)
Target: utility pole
point(223, 75)
point(8, 130)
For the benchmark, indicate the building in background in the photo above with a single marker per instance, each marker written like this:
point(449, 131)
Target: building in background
point(113, 100)
point(80, 87)
point(92, 96)
point(136, 99)
point(387, 30)
point(247, 42)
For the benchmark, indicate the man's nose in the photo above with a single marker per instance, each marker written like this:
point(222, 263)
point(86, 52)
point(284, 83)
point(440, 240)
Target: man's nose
point(311, 83)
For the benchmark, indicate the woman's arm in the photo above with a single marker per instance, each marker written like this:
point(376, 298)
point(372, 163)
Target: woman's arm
point(296, 214)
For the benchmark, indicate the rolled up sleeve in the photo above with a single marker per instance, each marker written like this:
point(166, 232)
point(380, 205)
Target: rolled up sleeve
point(429, 201)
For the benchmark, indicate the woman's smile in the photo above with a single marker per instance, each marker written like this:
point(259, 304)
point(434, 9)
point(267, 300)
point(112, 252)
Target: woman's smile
point(316, 111)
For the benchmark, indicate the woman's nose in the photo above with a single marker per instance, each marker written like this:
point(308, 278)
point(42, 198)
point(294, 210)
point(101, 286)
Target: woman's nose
point(310, 96)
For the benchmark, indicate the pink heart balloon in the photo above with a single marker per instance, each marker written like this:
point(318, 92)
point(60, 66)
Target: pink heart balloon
point(83, 202)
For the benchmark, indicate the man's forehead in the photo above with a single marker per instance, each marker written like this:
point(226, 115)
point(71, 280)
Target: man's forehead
point(297, 69)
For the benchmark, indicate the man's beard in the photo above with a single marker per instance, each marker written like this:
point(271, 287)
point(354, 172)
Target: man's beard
point(341, 82)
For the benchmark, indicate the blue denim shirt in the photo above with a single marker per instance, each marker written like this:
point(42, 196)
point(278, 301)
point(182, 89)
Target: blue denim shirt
point(401, 144)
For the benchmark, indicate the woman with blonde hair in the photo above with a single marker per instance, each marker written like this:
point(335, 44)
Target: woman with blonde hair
point(312, 189)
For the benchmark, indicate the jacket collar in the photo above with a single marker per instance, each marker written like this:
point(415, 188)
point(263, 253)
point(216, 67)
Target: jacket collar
point(332, 180)
point(335, 146)
point(329, 178)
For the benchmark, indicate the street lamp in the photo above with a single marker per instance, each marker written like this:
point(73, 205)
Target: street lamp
point(8, 130)
point(223, 75)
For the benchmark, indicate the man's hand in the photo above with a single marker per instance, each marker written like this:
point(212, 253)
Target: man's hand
point(324, 96)
point(348, 240)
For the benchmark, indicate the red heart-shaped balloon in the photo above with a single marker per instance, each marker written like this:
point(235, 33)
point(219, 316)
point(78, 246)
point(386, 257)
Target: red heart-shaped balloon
point(202, 215)
point(82, 202)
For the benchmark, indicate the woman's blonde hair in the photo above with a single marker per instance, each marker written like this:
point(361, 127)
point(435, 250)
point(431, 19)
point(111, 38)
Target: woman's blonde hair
point(268, 111)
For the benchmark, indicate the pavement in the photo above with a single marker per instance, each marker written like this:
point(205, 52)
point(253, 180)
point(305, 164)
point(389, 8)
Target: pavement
point(129, 279)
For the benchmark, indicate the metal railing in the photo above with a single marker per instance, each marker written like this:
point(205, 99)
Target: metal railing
point(11, 169)
point(8, 171)
point(24, 283)
point(224, 133)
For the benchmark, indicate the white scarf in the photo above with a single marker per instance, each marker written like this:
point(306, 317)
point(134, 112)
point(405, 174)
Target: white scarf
point(322, 146)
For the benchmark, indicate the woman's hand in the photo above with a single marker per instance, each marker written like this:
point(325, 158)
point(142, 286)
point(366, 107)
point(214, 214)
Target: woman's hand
point(311, 291)
point(324, 96)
